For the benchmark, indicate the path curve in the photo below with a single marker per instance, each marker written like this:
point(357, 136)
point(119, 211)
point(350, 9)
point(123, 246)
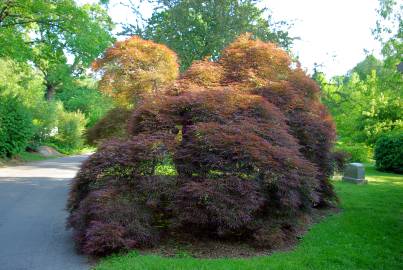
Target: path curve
point(32, 216)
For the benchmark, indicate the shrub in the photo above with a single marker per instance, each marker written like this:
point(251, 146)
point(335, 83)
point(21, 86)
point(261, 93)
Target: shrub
point(359, 152)
point(204, 73)
point(388, 152)
point(249, 153)
point(218, 206)
point(54, 126)
point(16, 127)
point(340, 159)
point(45, 116)
point(88, 101)
point(134, 68)
point(67, 135)
point(112, 125)
point(107, 221)
point(58, 127)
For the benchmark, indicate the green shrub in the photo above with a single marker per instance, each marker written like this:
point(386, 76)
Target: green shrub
point(16, 127)
point(87, 100)
point(389, 152)
point(57, 127)
point(359, 152)
point(70, 128)
point(45, 116)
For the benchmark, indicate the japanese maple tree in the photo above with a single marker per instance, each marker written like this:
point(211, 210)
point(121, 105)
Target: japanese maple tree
point(235, 149)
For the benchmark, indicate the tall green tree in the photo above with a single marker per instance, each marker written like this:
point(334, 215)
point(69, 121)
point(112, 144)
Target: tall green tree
point(389, 31)
point(59, 37)
point(363, 109)
point(196, 29)
point(367, 101)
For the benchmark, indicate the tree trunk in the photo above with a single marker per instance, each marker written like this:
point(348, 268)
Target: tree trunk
point(50, 91)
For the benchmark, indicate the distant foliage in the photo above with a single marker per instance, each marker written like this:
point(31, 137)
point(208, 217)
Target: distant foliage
point(59, 37)
point(388, 152)
point(16, 127)
point(19, 79)
point(199, 29)
point(358, 152)
point(69, 130)
point(50, 121)
point(248, 144)
point(112, 125)
point(87, 100)
point(134, 68)
point(366, 103)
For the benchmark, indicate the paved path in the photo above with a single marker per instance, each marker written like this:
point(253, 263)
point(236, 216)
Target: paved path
point(32, 216)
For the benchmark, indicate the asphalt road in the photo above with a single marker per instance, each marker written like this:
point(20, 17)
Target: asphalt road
point(33, 216)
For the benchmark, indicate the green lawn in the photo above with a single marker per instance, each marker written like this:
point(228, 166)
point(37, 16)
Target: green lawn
point(22, 158)
point(367, 234)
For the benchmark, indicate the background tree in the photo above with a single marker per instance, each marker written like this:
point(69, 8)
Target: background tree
point(366, 103)
point(134, 68)
point(60, 37)
point(196, 29)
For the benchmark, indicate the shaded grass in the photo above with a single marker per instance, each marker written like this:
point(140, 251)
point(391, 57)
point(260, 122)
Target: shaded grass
point(28, 157)
point(22, 158)
point(366, 234)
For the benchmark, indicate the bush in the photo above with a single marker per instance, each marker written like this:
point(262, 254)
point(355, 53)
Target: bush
point(134, 68)
point(249, 153)
point(340, 159)
point(205, 205)
point(112, 125)
point(87, 100)
point(359, 152)
point(70, 129)
point(16, 127)
point(45, 116)
point(388, 152)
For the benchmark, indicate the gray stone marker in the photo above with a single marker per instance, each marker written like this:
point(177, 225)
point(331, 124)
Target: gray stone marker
point(355, 173)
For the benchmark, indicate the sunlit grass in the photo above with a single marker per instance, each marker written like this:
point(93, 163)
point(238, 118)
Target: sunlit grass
point(366, 234)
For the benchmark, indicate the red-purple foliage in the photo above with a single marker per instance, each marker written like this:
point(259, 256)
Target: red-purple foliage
point(217, 206)
point(340, 159)
point(239, 148)
point(309, 123)
point(106, 221)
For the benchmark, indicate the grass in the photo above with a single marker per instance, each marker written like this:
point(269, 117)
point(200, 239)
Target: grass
point(29, 157)
point(72, 151)
point(366, 234)
point(23, 158)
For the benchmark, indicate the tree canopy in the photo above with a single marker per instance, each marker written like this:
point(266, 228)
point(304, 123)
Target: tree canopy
point(197, 29)
point(134, 68)
point(59, 37)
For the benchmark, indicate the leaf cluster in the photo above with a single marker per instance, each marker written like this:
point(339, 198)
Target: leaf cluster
point(134, 68)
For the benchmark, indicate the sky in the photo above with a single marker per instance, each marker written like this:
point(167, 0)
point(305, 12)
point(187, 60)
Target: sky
point(332, 33)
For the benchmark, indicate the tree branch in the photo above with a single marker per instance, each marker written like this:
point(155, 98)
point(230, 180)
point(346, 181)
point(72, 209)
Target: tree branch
point(38, 21)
